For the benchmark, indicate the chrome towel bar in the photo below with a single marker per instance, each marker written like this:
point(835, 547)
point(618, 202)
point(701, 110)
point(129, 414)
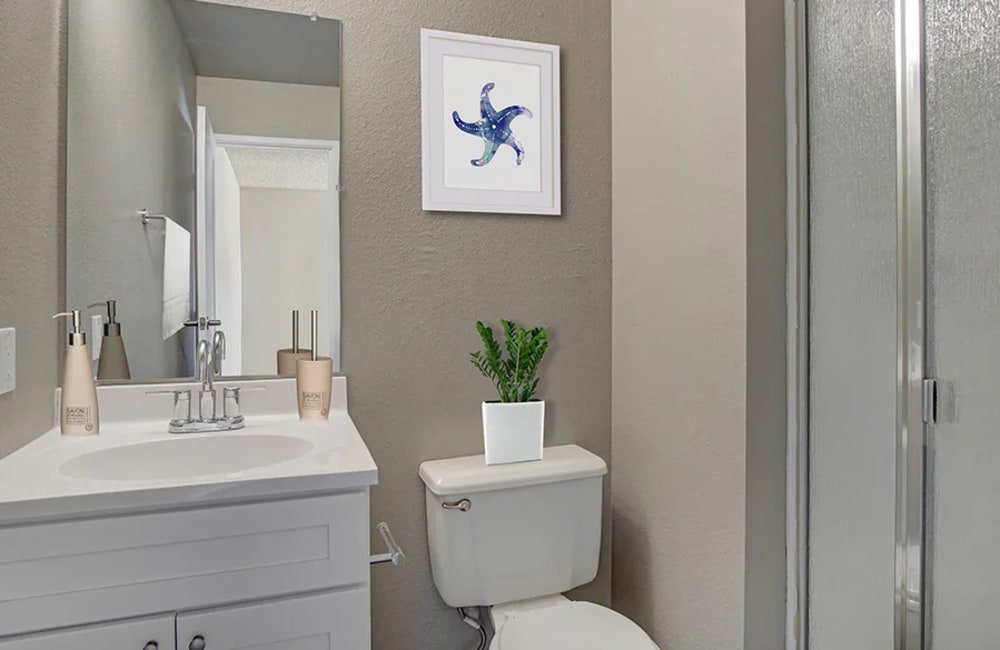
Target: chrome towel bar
point(146, 217)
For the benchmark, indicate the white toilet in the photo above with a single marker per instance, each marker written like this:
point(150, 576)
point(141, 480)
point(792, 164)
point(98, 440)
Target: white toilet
point(514, 537)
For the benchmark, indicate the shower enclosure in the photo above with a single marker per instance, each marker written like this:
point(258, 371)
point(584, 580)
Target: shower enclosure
point(899, 121)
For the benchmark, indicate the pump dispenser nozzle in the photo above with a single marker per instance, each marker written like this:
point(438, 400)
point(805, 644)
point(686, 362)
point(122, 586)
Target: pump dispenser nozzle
point(112, 327)
point(76, 335)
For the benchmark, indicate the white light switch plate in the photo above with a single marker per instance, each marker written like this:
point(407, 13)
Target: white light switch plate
point(8, 360)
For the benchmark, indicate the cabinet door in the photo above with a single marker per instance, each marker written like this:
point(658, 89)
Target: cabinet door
point(145, 634)
point(336, 620)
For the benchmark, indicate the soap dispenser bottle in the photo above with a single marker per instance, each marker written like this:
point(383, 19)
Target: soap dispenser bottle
point(78, 414)
point(288, 356)
point(314, 381)
point(113, 363)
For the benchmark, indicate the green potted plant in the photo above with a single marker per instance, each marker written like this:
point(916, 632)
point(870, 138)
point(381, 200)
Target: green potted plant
point(514, 425)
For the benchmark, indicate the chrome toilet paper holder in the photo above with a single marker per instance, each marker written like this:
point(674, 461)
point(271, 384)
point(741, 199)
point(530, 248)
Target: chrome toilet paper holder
point(394, 553)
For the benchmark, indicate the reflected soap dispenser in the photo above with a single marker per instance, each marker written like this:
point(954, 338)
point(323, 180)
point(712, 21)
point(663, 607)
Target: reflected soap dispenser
point(113, 363)
point(314, 380)
point(78, 414)
point(288, 356)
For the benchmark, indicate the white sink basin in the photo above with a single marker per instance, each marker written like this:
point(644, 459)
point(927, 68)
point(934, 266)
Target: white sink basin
point(185, 457)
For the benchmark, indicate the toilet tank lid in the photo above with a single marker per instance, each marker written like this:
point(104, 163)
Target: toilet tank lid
point(470, 474)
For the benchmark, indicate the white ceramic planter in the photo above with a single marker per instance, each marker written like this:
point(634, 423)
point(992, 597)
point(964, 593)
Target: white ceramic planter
point(513, 431)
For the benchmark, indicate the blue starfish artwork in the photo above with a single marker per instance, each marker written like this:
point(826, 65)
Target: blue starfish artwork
point(493, 127)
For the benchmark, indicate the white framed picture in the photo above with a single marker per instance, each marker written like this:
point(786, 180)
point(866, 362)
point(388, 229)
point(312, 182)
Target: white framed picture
point(490, 110)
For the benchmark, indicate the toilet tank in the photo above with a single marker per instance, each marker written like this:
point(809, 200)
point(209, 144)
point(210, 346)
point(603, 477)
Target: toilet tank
point(502, 533)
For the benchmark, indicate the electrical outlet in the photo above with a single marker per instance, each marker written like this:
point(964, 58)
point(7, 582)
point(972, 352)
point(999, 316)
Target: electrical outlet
point(8, 359)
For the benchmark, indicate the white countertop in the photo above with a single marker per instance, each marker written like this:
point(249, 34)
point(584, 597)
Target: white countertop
point(33, 487)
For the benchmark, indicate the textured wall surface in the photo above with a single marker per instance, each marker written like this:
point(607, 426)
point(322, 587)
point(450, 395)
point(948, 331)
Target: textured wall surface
point(31, 208)
point(129, 145)
point(679, 333)
point(413, 282)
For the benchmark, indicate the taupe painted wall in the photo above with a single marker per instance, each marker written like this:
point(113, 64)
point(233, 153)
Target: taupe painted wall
point(679, 314)
point(414, 283)
point(31, 208)
point(130, 145)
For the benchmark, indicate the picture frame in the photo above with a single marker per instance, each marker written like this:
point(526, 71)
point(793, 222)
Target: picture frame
point(490, 124)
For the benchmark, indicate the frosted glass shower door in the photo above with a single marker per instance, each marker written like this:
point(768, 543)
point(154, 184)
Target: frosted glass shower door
point(962, 45)
point(852, 323)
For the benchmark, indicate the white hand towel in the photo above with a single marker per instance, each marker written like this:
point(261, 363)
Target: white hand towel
point(176, 277)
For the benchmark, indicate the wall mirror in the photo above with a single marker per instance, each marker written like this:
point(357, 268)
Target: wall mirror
point(202, 182)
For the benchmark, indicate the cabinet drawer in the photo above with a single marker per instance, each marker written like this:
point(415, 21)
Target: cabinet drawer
point(70, 573)
point(146, 634)
point(330, 621)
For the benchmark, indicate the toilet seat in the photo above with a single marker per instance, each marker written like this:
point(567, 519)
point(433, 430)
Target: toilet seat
point(577, 625)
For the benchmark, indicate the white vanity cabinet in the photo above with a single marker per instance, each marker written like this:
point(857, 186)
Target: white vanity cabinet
point(170, 547)
point(327, 621)
point(146, 634)
point(324, 621)
point(289, 574)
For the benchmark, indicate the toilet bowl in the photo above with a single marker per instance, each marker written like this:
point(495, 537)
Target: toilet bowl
point(556, 623)
point(514, 538)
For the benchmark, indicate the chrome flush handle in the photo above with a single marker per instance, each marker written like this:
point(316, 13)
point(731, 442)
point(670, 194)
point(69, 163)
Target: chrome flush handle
point(464, 505)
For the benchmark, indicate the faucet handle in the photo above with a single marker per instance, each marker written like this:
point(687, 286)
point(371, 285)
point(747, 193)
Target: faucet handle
point(231, 403)
point(231, 400)
point(182, 404)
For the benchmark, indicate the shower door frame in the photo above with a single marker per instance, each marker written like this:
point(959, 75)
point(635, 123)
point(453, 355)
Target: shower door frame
point(912, 400)
point(914, 390)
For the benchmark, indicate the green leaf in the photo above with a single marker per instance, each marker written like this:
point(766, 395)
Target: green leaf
point(515, 375)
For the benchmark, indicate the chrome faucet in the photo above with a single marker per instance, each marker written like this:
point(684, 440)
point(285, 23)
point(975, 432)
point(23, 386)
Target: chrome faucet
point(210, 356)
point(219, 350)
point(206, 371)
point(204, 365)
